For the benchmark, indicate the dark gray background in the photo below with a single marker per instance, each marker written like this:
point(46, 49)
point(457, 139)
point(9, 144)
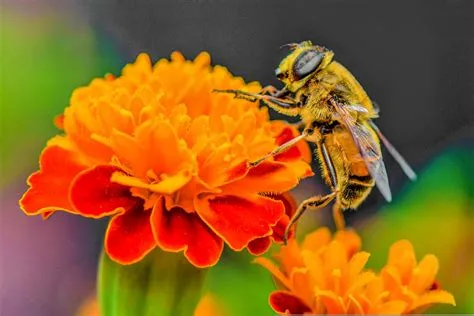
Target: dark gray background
point(414, 57)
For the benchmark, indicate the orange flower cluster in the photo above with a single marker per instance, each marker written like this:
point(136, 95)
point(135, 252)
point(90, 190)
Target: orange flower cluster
point(326, 275)
point(167, 159)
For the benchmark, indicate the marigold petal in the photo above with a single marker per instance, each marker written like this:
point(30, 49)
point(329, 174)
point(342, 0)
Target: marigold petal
point(354, 307)
point(290, 256)
point(168, 185)
point(129, 237)
point(94, 195)
point(334, 256)
point(266, 177)
point(259, 246)
point(49, 189)
point(315, 266)
point(273, 269)
point(402, 256)
point(166, 153)
point(432, 297)
point(176, 230)
point(357, 263)
point(333, 303)
point(290, 208)
point(286, 133)
point(424, 274)
point(239, 220)
point(350, 239)
point(389, 308)
point(314, 241)
point(302, 284)
point(286, 302)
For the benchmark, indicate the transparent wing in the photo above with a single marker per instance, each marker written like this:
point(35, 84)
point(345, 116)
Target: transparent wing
point(369, 149)
point(396, 155)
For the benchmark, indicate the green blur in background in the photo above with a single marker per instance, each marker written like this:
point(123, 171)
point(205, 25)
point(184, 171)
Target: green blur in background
point(45, 57)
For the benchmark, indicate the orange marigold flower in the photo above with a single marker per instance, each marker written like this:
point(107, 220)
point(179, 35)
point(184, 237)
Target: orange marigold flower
point(166, 157)
point(410, 282)
point(327, 275)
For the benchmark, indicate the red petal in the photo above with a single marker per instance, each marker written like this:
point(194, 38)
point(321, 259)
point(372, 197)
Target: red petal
point(129, 237)
point(239, 220)
point(259, 246)
point(49, 189)
point(93, 195)
point(290, 208)
point(283, 302)
point(266, 177)
point(177, 230)
point(293, 152)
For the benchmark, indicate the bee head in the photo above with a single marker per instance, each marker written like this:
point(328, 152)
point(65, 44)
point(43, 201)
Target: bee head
point(303, 61)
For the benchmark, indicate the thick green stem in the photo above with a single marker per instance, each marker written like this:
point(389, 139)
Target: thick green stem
point(160, 284)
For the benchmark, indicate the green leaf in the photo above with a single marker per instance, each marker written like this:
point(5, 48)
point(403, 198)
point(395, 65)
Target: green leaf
point(160, 284)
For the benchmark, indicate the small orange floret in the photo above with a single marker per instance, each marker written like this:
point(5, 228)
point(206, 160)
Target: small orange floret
point(327, 275)
point(412, 282)
point(167, 158)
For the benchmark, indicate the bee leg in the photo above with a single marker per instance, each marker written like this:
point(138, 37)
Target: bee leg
point(239, 94)
point(315, 203)
point(274, 92)
point(285, 105)
point(279, 149)
point(338, 216)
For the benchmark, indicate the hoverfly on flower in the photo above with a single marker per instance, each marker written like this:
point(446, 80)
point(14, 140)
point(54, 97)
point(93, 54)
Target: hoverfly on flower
point(337, 115)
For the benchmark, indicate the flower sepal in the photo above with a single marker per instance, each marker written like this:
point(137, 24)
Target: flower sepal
point(162, 283)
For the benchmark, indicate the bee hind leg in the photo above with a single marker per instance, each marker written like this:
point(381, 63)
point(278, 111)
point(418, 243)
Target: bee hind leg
point(316, 202)
point(338, 216)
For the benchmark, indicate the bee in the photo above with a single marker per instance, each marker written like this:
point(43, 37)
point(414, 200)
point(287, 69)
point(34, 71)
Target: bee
point(337, 116)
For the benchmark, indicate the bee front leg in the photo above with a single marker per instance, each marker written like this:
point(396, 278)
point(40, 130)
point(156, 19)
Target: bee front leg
point(282, 148)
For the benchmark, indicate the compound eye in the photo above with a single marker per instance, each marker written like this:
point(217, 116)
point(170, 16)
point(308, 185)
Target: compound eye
point(279, 74)
point(307, 63)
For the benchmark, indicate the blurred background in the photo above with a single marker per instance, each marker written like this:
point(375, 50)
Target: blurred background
point(415, 58)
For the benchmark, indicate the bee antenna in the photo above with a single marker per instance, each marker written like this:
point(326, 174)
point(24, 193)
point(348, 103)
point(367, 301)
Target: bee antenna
point(289, 45)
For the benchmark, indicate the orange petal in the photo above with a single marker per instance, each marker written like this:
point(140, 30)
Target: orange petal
point(286, 302)
point(439, 297)
point(350, 239)
point(424, 274)
point(334, 256)
point(168, 185)
point(315, 267)
point(316, 240)
point(389, 308)
point(266, 177)
point(176, 230)
point(94, 195)
point(357, 263)
point(333, 303)
point(129, 237)
point(290, 256)
point(49, 189)
point(402, 256)
point(239, 220)
point(165, 152)
point(302, 284)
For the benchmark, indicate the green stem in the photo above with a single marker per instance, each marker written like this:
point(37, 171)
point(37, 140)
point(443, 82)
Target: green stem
point(160, 284)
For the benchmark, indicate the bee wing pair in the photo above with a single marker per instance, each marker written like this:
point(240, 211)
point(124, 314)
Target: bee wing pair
point(369, 149)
